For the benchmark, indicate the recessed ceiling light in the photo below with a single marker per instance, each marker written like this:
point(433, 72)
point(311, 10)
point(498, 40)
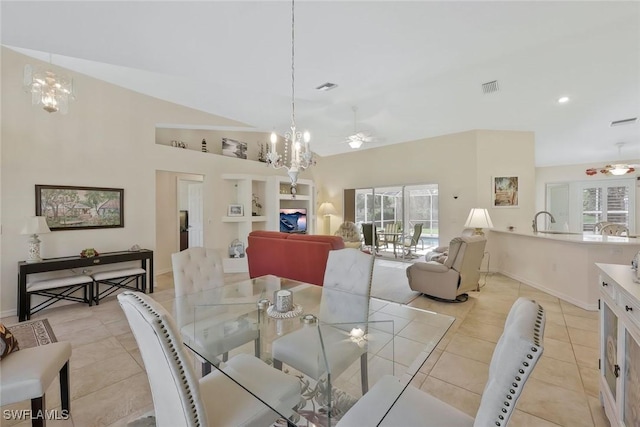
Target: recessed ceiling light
point(563, 99)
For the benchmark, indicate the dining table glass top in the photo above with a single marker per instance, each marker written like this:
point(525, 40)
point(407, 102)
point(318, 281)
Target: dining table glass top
point(322, 335)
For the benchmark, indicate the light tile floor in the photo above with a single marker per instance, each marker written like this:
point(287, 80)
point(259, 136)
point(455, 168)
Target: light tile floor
point(109, 385)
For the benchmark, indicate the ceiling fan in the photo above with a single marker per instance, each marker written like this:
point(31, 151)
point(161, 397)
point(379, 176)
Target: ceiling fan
point(614, 168)
point(356, 139)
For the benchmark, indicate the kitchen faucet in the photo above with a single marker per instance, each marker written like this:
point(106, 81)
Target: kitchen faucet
point(535, 220)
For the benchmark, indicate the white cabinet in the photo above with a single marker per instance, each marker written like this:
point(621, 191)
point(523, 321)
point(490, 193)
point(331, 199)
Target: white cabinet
point(620, 344)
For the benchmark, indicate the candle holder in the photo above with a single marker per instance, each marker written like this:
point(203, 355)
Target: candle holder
point(283, 300)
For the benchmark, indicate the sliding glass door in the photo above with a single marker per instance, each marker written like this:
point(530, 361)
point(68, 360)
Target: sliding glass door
point(401, 208)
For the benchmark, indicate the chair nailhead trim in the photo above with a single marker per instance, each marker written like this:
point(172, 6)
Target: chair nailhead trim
point(513, 392)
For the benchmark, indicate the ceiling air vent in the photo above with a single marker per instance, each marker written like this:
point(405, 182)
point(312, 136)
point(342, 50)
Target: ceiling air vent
point(624, 122)
point(490, 87)
point(327, 86)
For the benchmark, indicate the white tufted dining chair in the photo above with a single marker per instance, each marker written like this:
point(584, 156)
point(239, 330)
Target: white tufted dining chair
point(196, 269)
point(179, 399)
point(348, 274)
point(199, 269)
point(613, 229)
point(514, 357)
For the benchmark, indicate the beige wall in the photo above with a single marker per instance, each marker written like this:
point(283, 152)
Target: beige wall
point(106, 140)
point(461, 164)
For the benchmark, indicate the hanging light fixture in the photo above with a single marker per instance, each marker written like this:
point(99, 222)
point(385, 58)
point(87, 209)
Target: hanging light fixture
point(297, 153)
point(52, 91)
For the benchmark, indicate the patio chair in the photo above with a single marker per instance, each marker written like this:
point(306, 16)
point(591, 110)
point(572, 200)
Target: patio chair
point(371, 238)
point(412, 241)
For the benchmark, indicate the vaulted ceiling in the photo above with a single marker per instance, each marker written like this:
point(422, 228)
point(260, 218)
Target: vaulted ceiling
point(414, 69)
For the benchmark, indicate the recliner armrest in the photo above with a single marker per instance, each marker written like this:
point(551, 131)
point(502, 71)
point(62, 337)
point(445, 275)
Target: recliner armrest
point(432, 266)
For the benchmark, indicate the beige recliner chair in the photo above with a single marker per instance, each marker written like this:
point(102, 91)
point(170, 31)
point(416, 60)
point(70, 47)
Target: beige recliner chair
point(350, 233)
point(458, 274)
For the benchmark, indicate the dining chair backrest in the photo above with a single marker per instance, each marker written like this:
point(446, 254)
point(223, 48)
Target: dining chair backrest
point(174, 387)
point(196, 269)
point(514, 357)
point(613, 229)
point(369, 233)
point(347, 286)
point(417, 232)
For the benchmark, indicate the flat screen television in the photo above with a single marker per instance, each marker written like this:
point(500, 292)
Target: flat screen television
point(293, 220)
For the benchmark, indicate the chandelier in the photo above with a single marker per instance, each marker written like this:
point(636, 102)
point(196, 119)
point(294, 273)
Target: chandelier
point(297, 153)
point(52, 91)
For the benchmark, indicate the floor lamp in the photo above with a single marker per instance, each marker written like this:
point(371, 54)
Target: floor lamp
point(327, 209)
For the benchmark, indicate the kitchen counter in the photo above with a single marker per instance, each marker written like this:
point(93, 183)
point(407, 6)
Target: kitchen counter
point(575, 237)
point(562, 265)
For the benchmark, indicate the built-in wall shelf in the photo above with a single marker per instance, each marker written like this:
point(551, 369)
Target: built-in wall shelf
point(260, 218)
point(289, 197)
point(273, 195)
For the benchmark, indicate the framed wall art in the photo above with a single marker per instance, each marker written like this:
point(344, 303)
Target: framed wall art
point(233, 148)
point(78, 208)
point(505, 191)
point(235, 210)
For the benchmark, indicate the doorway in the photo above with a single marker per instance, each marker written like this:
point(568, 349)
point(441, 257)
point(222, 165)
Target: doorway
point(190, 208)
point(173, 210)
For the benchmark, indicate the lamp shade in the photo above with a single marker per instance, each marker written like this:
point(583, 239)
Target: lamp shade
point(327, 208)
point(478, 218)
point(35, 225)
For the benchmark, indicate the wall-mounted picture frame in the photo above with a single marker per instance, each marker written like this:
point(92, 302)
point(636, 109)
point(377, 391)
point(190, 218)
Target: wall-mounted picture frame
point(505, 191)
point(79, 208)
point(235, 210)
point(233, 148)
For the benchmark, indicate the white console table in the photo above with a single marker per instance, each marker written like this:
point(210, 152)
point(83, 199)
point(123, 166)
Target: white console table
point(620, 344)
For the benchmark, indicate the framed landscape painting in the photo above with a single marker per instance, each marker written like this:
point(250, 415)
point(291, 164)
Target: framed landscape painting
point(78, 208)
point(505, 191)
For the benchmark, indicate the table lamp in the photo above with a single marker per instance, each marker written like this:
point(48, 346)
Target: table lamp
point(33, 226)
point(478, 218)
point(327, 209)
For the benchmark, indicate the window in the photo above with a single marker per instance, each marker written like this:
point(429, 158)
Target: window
point(607, 201)
point(578, 206)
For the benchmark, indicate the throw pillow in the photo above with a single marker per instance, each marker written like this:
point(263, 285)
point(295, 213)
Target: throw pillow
point(8, 342)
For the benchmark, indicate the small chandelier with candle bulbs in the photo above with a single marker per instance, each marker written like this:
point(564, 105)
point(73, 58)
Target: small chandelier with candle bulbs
point(297, 153)
point(52, 91)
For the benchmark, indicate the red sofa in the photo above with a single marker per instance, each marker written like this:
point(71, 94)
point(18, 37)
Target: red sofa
point(300, 257)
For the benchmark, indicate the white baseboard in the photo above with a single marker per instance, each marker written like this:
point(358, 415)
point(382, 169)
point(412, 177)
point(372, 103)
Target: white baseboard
point(555, 293)
point(9, 313)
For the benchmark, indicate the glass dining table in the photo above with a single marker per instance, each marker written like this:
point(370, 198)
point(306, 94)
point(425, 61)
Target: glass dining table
point(243, 317)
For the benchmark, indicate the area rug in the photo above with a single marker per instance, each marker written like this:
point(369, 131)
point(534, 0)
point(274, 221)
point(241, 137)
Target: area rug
point(33, 333)
point(390, 282)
